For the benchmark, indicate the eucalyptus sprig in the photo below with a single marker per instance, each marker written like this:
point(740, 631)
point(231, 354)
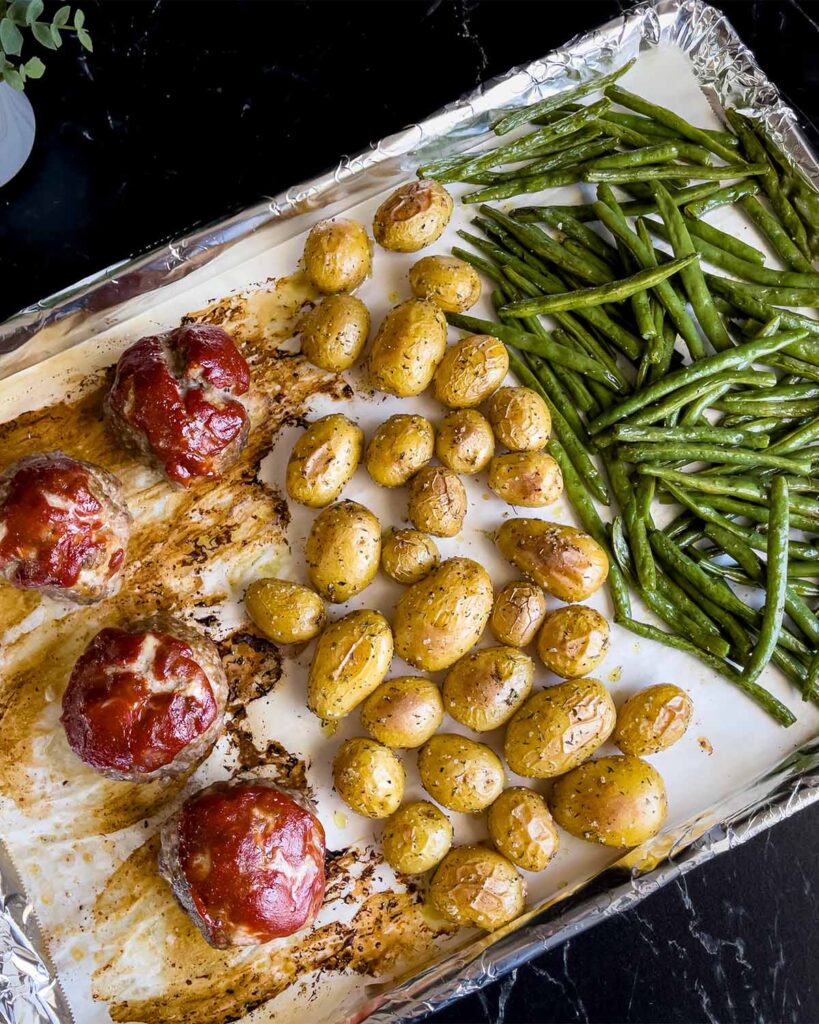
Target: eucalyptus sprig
point(21, 16)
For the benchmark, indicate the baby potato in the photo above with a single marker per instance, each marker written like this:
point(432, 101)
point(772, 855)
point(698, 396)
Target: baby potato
point(407, 556)
point(530, 479)
point(450, 282)
point(460, 774)
point(520, 418)
point(616, 801)
point(398, 449)
point(518, 613)
point(573, 641)
point(652, 720)
point(486, 687)
point(416, 838)
point(475, 886)
point(439, 619)
point(334, 333)
point(343, 550)
point(408, 346)
point(368, 777)
point(566, 562)
point(337, 255)
point(287, 613)
point(559, 728)
point(403, 712)
point(437, 501)
point(470, 371)
point(413, 216)
point(352, 657)
point(465, 442)
point(521, 828)
point(323, 460)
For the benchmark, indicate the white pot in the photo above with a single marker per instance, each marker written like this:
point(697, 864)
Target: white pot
point(16, 131)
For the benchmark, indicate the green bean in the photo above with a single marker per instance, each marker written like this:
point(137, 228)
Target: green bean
point(617, 176)
point(735, 358)
point(684, 453)
point(747, 506)
point(736, 403)
point(763, 698)
point(777, 579)
point(583, 253)
point(520, 149)
point(722, 240)
point(768, 179)
point(670, 120)
point(785, 247)
point(551, 382)
point(754, 307)
point(576, 229)
point(799, 438)
point(703, 394)
point(524, 184)
point(803, 569)
point(515, 118)
point(538, 242)
point(585, 211)
point(709, 515)
point(648, 126)
point(559, 154)
point(626, 136)
point(797, 366)
point(639, 157)
point(613, 291)
point(676, 435)
point(528, 342)
point(811, 687)
point(611, 215)
point(623, 492)
point(691, 275)
point(728, 623)
point(726, 196)
point(587, 514)
point(673, 616)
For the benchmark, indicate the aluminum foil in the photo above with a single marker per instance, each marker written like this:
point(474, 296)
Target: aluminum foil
point(729, 75)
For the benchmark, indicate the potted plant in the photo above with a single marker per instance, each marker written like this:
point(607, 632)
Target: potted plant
point(22, 25)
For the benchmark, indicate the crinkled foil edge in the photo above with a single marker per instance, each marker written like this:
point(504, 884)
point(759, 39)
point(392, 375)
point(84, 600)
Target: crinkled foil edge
point(729, 75)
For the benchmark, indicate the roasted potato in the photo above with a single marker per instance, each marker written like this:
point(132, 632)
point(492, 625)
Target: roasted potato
point(413, 216)
point(530, 479)
point(566, 562)
point(334, 333)
point(407, 556)
point(518, 613)
point(437, 620)
point(465, 442)
point(323, 460)
point(287, 613)
point(408, 346)
point(573, 641)
point(343, 550)
point(337, 255)
point(520, 418)
point(416, 838)
point(522, 829)
point(559, 728)
point(451, 283)
point(403, 712)
point(460, 774)
point(368, 777)
point(401, 446)
point(616, 801)
point(486, 687)
point(475, 886)
point(437, 501)
point(352, 657)
point(470, 371)
point(652, 720)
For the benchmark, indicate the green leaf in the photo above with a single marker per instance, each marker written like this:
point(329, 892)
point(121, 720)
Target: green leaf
point(55, 35)
point(11, 38)
point(61, 16)
point(42, 33)
point(14, 79)
point(34, 10)
point(18, 12)
point(85, 40)
point(34, 67)
point(79, 18)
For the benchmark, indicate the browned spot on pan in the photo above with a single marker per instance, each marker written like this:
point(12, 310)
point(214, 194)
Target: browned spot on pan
point(158, 969)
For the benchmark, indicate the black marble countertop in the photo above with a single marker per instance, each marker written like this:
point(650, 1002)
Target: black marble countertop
point(186, 112)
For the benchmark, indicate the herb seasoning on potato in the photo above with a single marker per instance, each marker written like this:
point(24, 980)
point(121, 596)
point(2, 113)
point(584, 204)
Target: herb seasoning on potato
point(459, 773)
point(323, 460)
point(520, 418)
point(447, 281)
point(334, 333)
point(401, 446)
point(484, 688)
point(407, 556)
point(522, 829)
point(465, 442)
point(437, 502)
point(518, 613)
point(475, 886)
point(566, 562)
point(403, 712)
point(407, 348)
point(573, 641)
point(337, 255)
point(529, 479)
point(652, 720)
point(352, 657)
point(368, 777)
point(343, 550)
point(416, 838)
point(287, 613)
point(470, 371)
point(413, 216)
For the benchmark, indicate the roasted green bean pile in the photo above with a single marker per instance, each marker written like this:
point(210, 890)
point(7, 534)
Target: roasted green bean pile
point(668, 383)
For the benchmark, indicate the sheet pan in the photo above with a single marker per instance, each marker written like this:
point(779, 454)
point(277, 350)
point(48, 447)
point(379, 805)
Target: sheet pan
point(691, 58)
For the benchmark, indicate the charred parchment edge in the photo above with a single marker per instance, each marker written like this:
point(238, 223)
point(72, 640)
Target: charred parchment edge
point(729, 75)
